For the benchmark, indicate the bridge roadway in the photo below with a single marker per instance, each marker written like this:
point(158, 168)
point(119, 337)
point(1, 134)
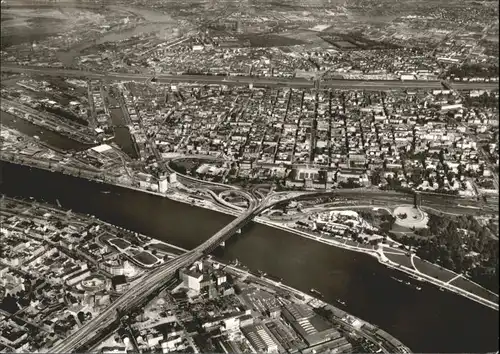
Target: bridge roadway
point(244, 80)
point(155, 280)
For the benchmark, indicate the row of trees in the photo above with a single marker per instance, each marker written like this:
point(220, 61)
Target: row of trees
point(483, 101)
point(473, 70)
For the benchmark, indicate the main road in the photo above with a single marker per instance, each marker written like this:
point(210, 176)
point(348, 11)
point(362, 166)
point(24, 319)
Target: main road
point(245, 80)
point(133, 296)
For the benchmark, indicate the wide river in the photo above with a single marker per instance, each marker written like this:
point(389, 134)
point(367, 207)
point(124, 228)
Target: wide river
point(427, 321)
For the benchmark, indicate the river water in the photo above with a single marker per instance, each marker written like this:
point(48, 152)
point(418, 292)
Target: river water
point(427, 321)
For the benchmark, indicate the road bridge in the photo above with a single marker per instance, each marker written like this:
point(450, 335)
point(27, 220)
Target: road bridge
point(155, 279)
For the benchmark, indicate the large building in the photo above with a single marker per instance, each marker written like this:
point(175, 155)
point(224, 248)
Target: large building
point(260, 338)
point(192, 279)
point(163, 185)
point(172, 179)
point(115, 266)
point(311, 327)
point(451, 107)
point(195, 278)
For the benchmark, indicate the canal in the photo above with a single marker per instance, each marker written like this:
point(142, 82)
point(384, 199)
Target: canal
point(427, 321)
point(122, 133)
point(122, 136)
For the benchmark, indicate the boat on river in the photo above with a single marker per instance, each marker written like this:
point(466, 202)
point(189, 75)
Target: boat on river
point(398, 280)
point(316, 293)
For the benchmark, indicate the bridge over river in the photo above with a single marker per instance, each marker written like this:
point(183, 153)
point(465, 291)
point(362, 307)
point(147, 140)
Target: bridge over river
point(158, 277)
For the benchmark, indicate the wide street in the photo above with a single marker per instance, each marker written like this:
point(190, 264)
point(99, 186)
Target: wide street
point(245, 80)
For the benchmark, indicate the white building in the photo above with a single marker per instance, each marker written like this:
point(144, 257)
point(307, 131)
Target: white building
point(170, 344)
point(154, 341)
point(163, 185)
point(172, 179)
point(450, 107)
point(192, 279)
point(406, 77)
point(114, 350)
point(78, 277)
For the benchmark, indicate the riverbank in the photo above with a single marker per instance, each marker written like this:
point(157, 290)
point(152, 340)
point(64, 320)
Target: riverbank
point(344, 320)
point(383, 259)
point(378, 254)
point(94, 177)
point(48, 138)
point(371, 291)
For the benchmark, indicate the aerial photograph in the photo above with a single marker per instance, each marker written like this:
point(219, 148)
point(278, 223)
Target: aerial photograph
point(249, 176)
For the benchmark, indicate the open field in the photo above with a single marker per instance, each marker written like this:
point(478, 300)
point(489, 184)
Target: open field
point(120, 243)
point(402, 259)
point(409, 216)
point(466, 284)
point(432, 270)
point(145, 258)
point(165, 248)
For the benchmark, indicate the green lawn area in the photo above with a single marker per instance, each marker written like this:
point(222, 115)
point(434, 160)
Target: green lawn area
point(106, 237)
point(120, 243)
point(467, 285)
point(145, 258)
point(165, 248)
point(399, 228)
point(360, 245)
point(402, 259)
point(433, 270)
